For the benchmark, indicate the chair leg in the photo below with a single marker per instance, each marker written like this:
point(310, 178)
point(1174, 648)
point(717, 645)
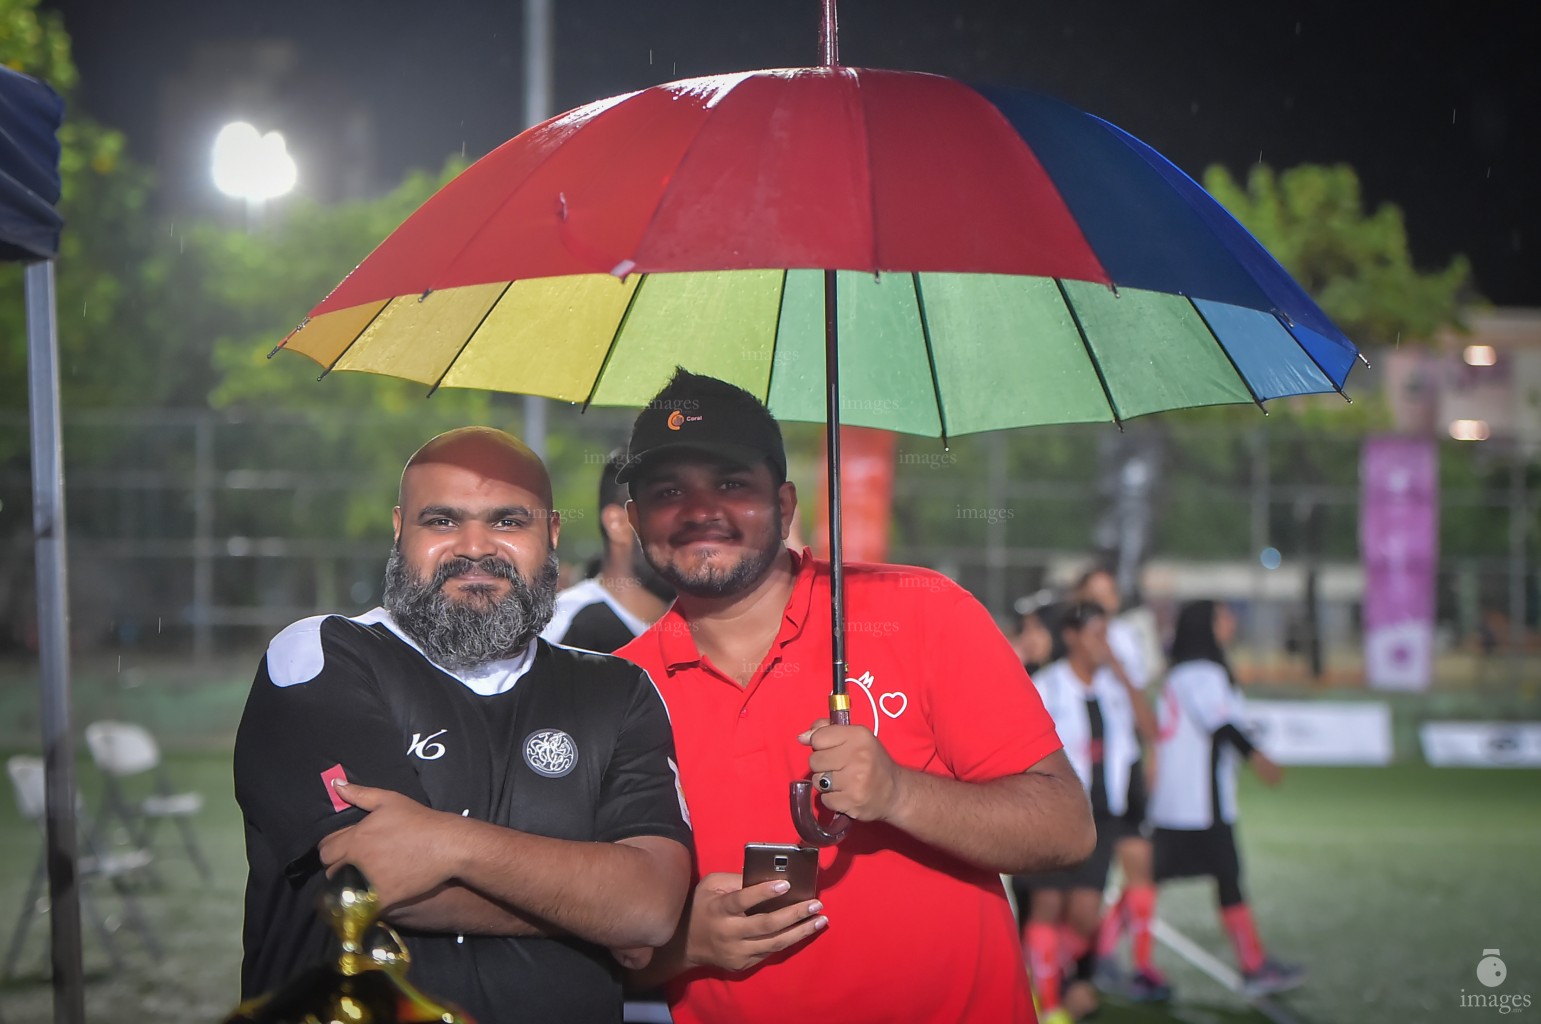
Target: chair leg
point(28, 912)
point(94, 912)
point(194, 851)
point(135, 916)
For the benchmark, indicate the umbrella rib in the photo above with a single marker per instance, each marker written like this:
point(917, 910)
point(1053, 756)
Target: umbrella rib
point(469, 335)
point(615, 339)
point(1086, 343)
point(1284, 322)
point(1227, 352)
point(925, 334)
point(362, 331)
point(776, 337)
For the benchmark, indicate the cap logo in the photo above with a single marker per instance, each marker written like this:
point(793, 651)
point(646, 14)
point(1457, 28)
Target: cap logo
point(676, 419)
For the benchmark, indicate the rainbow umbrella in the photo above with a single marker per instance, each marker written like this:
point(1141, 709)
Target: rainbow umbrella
point(880, 248)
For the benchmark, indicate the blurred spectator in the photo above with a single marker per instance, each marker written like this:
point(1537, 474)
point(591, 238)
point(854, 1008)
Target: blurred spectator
point(1193, 806)
point(623, 595)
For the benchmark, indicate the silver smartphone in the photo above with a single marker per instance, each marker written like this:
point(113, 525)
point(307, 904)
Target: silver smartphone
point(798, 865)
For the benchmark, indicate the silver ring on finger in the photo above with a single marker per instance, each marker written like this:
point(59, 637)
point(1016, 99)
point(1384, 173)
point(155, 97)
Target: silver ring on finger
point(826, 782)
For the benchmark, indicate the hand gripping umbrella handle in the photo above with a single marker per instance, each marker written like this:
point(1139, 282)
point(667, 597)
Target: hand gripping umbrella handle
point(804, 814)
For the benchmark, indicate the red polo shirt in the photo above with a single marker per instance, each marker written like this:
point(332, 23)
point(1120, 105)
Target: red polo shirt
point(914, 935)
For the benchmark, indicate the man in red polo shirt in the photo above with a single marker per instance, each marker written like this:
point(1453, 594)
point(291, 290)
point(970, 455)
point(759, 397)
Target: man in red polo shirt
point(951, 768)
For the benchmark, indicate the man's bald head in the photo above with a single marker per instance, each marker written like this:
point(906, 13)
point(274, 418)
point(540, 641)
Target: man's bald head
point(494, 454)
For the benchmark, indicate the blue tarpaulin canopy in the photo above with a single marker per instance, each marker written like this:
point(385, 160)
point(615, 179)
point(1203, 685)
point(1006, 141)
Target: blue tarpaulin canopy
point(30, 116)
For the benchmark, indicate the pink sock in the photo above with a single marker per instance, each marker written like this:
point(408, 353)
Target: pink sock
point(1243, 933)
point(1141, 903)
point(1043, 962)
point(1112, 928)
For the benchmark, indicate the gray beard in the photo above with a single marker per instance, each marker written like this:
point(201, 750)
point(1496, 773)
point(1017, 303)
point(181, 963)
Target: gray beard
point(464, 635)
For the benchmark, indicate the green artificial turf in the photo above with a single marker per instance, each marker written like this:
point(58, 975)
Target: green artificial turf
point(1386, 884)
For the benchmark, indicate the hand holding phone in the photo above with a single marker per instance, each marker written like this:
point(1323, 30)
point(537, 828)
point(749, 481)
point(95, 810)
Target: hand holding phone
point(796, 865)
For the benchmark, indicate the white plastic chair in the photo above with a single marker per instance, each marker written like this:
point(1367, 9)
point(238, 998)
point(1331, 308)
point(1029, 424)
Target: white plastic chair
point(122, 750)
point(28, 783)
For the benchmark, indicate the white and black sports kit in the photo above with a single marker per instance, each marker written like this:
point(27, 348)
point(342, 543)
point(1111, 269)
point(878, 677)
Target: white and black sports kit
point(1097, 726)
point(1193, 804)
point(589, 617)
point(554, 742)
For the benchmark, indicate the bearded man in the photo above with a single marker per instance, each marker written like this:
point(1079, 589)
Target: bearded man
point(950, 767)
point(515, 805)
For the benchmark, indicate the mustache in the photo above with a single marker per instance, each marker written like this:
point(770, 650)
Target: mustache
point(491, 565)
point(693, 533)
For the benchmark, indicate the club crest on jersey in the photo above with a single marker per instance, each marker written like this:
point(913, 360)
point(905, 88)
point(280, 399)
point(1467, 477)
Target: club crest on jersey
point(550, 752)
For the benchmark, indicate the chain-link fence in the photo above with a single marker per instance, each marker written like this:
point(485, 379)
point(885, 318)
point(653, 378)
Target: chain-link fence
point(196, 533)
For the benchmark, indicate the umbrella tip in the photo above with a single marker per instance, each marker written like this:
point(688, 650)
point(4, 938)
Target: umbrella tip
point(623, 269)
point(426, 292)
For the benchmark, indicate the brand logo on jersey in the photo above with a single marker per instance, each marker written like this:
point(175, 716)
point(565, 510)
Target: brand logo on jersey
point(550, 752)
point(891, 704)
point(425, 747)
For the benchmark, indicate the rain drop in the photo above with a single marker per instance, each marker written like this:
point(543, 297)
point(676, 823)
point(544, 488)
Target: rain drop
point(650, 57)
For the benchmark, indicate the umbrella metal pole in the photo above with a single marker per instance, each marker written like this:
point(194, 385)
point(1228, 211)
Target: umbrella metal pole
point(839, 701)
point(829, 44)
point(53, 645)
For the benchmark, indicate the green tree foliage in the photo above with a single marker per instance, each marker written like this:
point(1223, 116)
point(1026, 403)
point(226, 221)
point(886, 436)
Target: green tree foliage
point(101, 303)
point(1356, 265)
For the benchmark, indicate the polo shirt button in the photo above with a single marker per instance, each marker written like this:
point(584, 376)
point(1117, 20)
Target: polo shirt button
point(743, 712)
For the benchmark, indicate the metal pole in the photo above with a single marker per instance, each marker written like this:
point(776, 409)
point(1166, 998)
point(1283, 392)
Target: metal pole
point(53, 630)
point(203, 545)
point(1519, 520)
point(832, 467)
point(1258, 503)
point(829, 52)
point(995, 525)
point(539, 23)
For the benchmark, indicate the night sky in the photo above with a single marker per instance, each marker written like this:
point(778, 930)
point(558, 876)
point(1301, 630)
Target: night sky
point(1437, 106)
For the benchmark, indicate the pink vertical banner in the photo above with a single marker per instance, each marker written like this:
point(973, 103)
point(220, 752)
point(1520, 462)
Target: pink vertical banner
point(1399, 544)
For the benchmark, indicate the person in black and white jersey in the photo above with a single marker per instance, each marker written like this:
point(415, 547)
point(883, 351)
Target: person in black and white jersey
point(1203, 741)
point(1101, 718)
point(1134, 910)
point(625, 596)
point(516, 805)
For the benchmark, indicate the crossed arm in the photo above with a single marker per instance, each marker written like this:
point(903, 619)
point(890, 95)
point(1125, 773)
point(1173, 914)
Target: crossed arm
point(442, 872)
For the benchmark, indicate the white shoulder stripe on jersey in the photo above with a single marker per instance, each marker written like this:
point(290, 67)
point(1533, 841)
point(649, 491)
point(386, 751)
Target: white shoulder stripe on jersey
point(295, 655)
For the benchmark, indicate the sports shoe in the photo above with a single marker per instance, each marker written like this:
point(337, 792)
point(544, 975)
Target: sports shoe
point(1272, 976)
point(1147, 987)
point(1109, 976)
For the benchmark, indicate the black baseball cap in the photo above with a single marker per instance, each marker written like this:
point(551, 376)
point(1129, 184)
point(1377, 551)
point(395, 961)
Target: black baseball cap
point(703, 414)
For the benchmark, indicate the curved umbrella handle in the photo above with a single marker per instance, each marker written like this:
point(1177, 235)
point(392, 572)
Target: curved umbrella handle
point(804, 815)
point(807, 819)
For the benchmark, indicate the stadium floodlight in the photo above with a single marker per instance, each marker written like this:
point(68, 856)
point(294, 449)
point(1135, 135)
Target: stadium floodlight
point(251, 165)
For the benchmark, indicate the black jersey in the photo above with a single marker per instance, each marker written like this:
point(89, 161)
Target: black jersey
point(555, 742)
point(596, 627)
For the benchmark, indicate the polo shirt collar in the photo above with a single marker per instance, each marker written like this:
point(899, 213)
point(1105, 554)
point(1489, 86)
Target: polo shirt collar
point(678, 647)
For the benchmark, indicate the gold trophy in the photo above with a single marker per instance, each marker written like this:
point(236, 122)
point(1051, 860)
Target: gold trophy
point(368, 982)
